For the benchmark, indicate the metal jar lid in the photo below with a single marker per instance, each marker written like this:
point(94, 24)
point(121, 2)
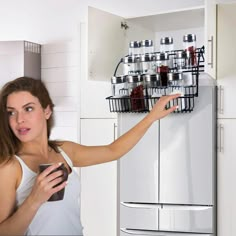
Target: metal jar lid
point(175, 76)
point(147, 43)
point(163, 56)
point(118, 79)
point(134, 78)
point(134, 44)
point(166, 40)
point(181, 55)
point(151, 77)
point(189, 38)
point(147, 57)
point(130, 59)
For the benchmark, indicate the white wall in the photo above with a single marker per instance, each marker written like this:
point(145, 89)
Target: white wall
point(60, 72)
point(43, 21)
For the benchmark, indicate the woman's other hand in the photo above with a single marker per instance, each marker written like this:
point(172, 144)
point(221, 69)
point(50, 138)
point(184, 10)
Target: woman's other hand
point(45, 183)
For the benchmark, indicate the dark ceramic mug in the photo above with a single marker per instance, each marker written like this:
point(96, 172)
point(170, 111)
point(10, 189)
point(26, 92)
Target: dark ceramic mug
point(60, 194)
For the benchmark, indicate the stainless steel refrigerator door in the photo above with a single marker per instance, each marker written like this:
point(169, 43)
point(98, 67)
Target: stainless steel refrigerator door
point(189, 219)
point(187, 153)
point(139, 167)
point(139, 216)
point(125, 232)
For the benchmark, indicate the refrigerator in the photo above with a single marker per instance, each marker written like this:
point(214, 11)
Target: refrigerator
point(167, 182)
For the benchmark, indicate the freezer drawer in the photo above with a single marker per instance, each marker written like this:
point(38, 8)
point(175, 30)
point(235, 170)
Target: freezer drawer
point(124, 232)
point(191, 219)
point(139, 167)
point(139, 216)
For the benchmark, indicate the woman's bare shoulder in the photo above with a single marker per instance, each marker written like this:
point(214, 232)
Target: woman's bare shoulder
point(10, 171)
point(69, 146)
point(73, 150)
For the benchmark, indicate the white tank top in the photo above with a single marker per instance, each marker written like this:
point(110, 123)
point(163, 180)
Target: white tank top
point(58, 217)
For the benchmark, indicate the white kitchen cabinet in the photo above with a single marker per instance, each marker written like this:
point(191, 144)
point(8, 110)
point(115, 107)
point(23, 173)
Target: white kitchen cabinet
point(210, 37)
point(226, 177)
point(92, 93)
point(226, 112)
point(103, 47)
point(226, 38)
point(109, 43)
point(99, 182)
point(226, 97)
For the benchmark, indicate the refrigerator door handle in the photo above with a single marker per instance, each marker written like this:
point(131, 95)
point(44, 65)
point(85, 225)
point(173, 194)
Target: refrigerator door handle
point(218, 138)
point(221, 138)
point(220, 100)
point(115, 131)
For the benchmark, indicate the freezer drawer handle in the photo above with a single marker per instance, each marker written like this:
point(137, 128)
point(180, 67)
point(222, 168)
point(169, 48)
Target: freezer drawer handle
point(137, 205)
point(135, 233)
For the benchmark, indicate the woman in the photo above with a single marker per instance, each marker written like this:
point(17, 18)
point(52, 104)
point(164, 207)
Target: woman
point(26, 118)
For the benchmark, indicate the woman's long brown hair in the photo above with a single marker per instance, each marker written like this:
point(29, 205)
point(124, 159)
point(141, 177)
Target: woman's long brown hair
point(9, 143)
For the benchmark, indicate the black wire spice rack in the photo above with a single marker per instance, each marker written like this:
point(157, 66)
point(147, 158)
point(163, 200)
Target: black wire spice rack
point(144, 102)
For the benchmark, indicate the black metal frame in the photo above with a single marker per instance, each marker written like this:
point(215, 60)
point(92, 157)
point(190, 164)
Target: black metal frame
point(185, 103)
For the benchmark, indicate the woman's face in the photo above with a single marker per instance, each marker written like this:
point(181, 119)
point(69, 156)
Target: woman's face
point(27, 118)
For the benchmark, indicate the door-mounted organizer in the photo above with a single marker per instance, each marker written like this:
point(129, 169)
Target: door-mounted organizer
point(144, 103)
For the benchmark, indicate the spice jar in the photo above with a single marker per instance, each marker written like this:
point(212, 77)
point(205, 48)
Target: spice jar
point(176, 86)
point(180, 60)
point(131, 65)
point(134, 48)
point(118, 86)
point(166, 44)
point(150, 82)
point(133, 81)
point(147, 63)
point(162, 63)
point(175, 79)
point(189, 43)
point(147, 46)
point(135, 86)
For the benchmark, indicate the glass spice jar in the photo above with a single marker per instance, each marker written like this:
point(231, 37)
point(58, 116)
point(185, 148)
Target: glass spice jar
point(176, 86)
point(119, 86)
point(134, 48)
point(131, 65)
point(162, 63)
point(166, 44)
point(136, 93)
point(180, 60)
point(150, 82)
point(133, 81)
point(189, 43)
point(147, 63)
point(147, 46)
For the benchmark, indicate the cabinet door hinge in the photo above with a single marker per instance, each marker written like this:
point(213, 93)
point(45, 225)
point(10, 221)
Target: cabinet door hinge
point(124, 25)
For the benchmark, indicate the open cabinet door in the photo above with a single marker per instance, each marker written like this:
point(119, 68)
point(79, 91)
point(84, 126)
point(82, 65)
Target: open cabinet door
point(210, 37)
point(106, 41)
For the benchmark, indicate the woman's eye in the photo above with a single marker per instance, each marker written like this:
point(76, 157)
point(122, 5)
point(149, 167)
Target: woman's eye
point(29, 108)
point(11, 113)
